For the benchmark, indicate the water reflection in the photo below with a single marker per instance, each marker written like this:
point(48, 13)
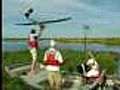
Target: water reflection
point(21, 45)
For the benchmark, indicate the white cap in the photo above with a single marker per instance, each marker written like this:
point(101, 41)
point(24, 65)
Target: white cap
point(90, 61)
point(52, 43)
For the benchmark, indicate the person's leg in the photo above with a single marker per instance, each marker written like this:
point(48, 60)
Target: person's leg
point(33, 66)
point(57, 78)
point(34, 57)
point(50, 79)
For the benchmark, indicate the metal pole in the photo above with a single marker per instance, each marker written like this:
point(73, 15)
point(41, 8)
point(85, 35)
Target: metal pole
point(85, 46)
point(86, 27)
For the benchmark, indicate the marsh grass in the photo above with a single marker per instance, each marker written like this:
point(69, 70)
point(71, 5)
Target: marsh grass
point(107, 60)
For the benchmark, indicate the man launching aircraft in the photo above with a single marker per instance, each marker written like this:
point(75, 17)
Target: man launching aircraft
point(33, 39)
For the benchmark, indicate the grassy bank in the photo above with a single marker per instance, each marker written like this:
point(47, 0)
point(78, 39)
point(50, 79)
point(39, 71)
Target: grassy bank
point(109, 41)
point(107, 60)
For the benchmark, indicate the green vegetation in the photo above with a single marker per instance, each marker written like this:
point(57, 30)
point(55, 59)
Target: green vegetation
point(107, 60)
point(109, 41)
point(11, 83)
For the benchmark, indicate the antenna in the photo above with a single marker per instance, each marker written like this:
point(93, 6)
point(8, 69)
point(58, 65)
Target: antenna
point(86, 27)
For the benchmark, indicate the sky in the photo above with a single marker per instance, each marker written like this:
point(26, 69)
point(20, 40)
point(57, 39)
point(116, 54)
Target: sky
point(102, 16)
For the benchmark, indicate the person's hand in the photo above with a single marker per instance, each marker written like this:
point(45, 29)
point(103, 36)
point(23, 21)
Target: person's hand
point(42, 27)
point(44, 63)
point(42, 66)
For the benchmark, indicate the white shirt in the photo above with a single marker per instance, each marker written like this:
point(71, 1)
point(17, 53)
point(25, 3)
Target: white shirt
point(37, 34)
point(94, 71)
point(57, 57)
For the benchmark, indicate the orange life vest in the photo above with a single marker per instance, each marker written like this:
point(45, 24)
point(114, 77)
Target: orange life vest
point(32, 43)
point(51, 59)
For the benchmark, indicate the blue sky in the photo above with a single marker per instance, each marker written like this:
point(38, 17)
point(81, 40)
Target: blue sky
point(103, 17)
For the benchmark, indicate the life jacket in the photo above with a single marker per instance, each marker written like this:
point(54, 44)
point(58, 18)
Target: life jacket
point(32, 42)
point(51, 60)
point(94, 77)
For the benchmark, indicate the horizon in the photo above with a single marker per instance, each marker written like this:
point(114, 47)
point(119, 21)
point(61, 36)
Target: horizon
point(65, 38)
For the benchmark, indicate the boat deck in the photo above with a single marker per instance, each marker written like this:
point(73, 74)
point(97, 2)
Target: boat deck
point(38, 80)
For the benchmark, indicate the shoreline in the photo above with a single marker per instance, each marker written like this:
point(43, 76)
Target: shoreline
point(107, 41)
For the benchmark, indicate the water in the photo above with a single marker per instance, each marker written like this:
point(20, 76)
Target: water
point(21, 45)
point(13, 45)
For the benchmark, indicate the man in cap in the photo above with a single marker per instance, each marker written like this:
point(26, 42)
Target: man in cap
point(94, 68)
point(94, 75)
point(53, 60)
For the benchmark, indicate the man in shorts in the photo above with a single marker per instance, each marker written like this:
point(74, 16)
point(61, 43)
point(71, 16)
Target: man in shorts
point(33, 39)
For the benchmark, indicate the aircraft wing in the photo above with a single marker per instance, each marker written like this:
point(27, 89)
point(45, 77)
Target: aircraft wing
point(45, 22)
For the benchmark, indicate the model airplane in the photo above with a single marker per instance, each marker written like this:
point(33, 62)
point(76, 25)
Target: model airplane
point(41, 23)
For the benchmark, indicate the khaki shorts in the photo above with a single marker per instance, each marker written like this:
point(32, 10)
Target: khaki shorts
point(33, 52)
point(54, 78)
